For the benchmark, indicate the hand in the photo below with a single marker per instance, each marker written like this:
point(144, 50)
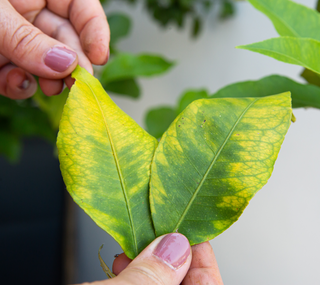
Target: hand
point(167, 260)
point(48, 39)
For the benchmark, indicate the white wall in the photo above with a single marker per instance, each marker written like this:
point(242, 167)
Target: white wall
point(276, 240)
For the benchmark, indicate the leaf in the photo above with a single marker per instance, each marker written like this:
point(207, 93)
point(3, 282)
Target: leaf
point(212, 160)
point(10, 146)
point(159, 119)
point(303, 95)
point(128, 87)
point(311, 77)
point(52, 106)
point(290, 18)
point(120, 25)
point(299, 51)
point(127, 66)
point(189, 96)
point(196, 27)
point(105, 161)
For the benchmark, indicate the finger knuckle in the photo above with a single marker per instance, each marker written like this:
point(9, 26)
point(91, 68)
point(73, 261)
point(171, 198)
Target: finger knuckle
point(24, 40)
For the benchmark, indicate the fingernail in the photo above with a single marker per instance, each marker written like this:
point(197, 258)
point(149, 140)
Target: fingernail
point(25, 84)
point(59, 58)
point(173, 250)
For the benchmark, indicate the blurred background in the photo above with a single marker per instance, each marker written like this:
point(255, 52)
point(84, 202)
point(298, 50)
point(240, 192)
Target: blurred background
point(275, 241)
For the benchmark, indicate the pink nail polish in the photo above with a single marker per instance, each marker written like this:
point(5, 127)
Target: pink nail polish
point(173, 250)
point(59, 58)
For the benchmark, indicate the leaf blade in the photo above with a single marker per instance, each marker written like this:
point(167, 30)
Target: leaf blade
point(290, 18)
point(303, 95)
point(199, 194)
point(298, 51)
point(94, 142)
point(126, 66)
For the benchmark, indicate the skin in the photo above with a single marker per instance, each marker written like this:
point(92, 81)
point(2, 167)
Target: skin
point(201, 268)
point(30, 28)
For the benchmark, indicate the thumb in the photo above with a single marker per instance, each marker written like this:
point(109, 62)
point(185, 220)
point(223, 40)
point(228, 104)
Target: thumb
point(27, 47)
point(165, 261)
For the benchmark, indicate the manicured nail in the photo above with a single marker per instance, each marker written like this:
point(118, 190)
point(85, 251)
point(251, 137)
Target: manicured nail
point(59, 58)
point(173, 250)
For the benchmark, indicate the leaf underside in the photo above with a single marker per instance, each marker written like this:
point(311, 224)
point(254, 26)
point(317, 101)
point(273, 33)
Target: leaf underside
point(105, 161)
point(211, 161)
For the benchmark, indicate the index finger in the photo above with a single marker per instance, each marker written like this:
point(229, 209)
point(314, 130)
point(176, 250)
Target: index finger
point(90, 22)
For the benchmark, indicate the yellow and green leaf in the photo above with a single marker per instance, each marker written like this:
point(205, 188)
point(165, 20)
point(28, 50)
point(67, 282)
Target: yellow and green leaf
point(212, 160)
point(105, 161)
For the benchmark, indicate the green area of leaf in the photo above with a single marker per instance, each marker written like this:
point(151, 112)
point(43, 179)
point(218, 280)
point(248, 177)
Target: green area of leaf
point(212, 160)
point(303, 95)
point(311, 77)
point(10, 146)
point(128, 87)
point(120, 25)
point(295, 20)
point(299, 51)
point(19, 119)
point(52, 106)
point(290, 18)
point(105, 161)
point(189, 96)
point(159, 119)
point(126, 66)
point(119, 75)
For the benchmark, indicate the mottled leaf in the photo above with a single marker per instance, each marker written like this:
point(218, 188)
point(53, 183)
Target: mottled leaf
point(299, 51)
point(303, 95)
point(105, 162)
point(212, 160)
point(159, 119)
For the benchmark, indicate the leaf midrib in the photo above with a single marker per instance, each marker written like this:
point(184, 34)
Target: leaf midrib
point(279, 19)
point(118, 170)
point(210, 167)
point(285, 55)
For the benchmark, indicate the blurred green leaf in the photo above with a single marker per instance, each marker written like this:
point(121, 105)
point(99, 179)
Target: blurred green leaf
point(300, 51)
point(311, 77)
point(28, 122)
point(120, 25)
point(189, 96)
point(196, 26)
point(290, 18)
point(159, 119)
point(10, 146)
point(127, 66)
point(52, 106)
point(303, 95)
point(227, 9)
point(128, 87)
